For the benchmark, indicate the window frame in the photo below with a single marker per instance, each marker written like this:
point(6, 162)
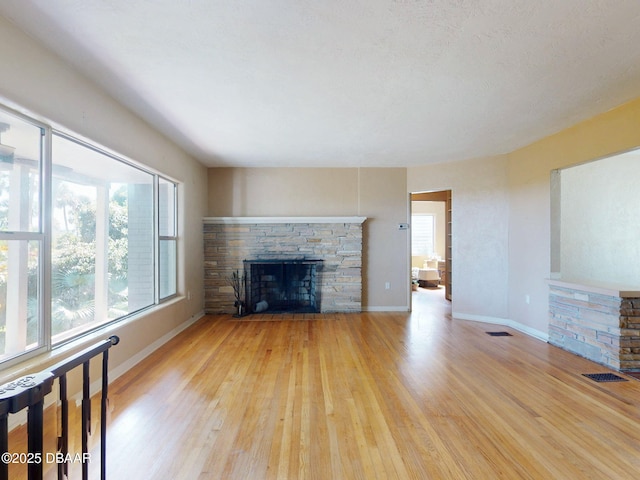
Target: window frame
point(154, 179)
point(161, 238)
point(44, 236)
point(40, 236)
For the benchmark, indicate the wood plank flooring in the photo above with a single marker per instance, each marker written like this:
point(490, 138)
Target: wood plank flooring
point(368, 396)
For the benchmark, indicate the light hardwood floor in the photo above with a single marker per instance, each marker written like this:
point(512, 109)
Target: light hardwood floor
point(366, 396)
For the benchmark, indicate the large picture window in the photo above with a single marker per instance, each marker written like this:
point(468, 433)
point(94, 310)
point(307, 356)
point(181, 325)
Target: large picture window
point(102, 255)
point(100, 230)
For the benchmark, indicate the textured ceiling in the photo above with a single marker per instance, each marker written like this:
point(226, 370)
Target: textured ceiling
point(349, 83)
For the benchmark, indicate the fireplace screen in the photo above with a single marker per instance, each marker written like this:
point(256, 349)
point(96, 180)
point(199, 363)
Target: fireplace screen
point(283, 286)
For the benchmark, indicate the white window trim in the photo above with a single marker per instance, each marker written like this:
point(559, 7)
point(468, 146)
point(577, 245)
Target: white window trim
point(44, 237)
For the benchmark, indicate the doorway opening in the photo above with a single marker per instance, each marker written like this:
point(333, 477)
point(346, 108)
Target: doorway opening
point(430, 252)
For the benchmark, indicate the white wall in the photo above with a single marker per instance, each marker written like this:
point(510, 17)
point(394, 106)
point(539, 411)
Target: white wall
point(41, 85)
point(600, 221)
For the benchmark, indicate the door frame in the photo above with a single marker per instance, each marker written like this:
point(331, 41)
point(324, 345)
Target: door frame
point(436, 196)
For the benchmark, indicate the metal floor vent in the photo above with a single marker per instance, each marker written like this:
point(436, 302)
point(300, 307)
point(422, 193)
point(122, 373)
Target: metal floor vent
point(604, 377)
point(499, 334)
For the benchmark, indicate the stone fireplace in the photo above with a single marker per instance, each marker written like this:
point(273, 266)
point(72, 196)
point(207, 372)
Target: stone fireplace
point(327, 248)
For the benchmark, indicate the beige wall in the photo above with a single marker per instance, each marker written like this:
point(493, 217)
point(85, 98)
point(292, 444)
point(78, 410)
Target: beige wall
point(502, 221)
point(501, 215)
point(40, 84)
point(378, 193)
point(479, 216)
point(384, 200)
point(242, 192)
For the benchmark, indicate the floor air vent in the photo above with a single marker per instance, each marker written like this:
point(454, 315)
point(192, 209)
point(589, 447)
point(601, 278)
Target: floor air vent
point(499, 334)
point(604, 377)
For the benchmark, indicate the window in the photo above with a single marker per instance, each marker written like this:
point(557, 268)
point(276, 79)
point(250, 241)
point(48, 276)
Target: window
point(99, 229)
point(102, 255)
point(21, 238)
point(167, 238)
point(422, 235)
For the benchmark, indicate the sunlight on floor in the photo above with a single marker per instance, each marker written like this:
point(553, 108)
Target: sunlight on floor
point(429, 299)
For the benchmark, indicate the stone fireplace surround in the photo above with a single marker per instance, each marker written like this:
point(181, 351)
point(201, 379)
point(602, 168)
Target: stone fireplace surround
point(598, 323)
point(337, 241)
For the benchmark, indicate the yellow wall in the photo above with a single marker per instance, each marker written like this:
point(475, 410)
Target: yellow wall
point(377, 193)
point(502, 221)
point(529, 172)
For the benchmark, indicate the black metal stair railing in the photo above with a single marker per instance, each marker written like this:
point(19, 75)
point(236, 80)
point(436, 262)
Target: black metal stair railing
point(29, 392)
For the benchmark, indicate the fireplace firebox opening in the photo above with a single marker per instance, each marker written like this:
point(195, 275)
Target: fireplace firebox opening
point(283, 285)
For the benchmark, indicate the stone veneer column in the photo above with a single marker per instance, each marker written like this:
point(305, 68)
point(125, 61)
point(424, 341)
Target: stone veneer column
point(338, 242)
point(599, 324)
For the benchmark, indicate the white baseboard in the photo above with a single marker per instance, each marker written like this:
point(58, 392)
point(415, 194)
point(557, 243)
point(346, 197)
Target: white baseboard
point(141, 355)
point(138, 357)
point(532, 332)
point(20, 418)
point(386, 309)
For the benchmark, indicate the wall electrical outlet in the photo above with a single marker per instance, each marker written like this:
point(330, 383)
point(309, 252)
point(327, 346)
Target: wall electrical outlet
point(387, 285)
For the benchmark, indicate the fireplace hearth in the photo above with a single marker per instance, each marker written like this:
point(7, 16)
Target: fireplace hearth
point(283, 285)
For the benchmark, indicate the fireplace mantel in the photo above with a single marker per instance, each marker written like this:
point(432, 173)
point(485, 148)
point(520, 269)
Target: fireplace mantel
point(276, 220)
